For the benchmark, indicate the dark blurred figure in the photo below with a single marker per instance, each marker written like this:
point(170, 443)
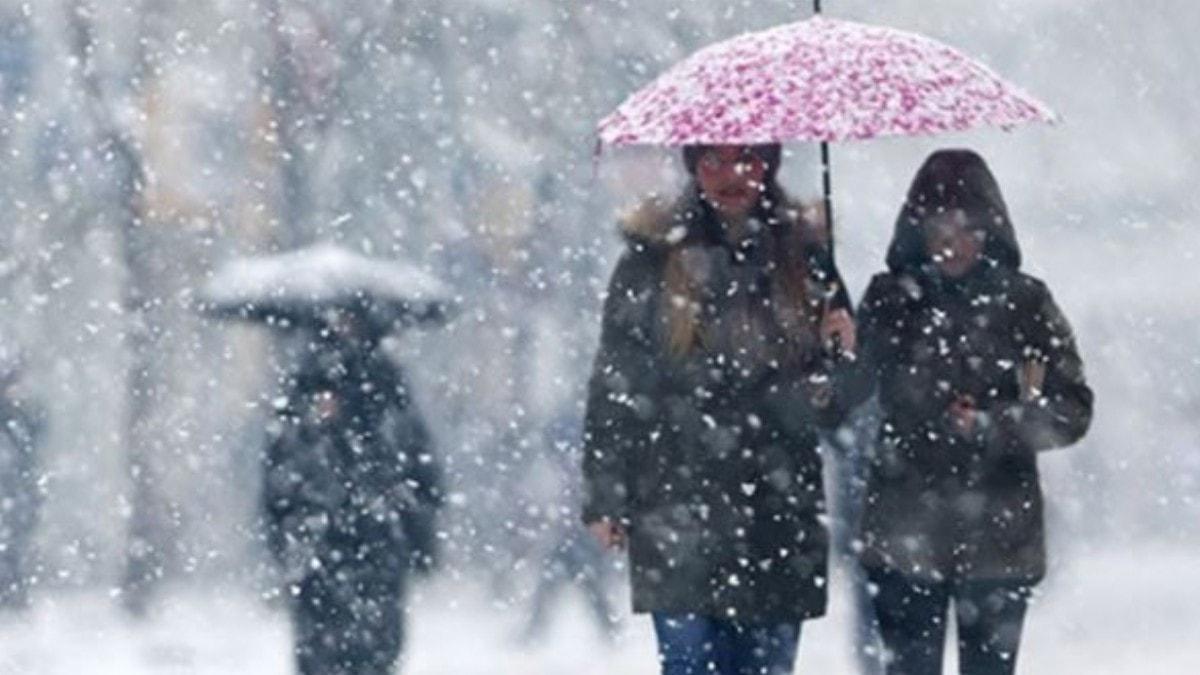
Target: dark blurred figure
point(853, 444)
point(351, 490)
point(574, 558)
point(19, 498)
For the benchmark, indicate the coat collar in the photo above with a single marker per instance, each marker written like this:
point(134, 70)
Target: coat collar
point(660, 223)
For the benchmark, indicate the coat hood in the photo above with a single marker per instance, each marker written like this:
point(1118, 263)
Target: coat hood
point(953, 179)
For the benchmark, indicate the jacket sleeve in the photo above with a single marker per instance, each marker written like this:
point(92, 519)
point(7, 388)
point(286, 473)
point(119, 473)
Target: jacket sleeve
point(424, 481)
point(282, 498)
point(829, 414)
point(907, 391)
point(419, 460)
point(1061, 412)
point(614, 422)
point(858, 379)
point(412, 478)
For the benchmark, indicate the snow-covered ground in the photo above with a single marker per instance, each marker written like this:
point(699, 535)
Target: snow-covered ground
point(1127, 611)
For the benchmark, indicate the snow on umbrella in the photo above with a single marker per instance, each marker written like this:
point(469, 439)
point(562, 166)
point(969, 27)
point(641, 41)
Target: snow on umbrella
point(822, 80)
point(297, 285)
point(818, 80)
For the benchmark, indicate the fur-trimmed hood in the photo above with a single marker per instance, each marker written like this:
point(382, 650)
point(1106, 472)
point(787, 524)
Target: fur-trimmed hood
point(786, 259)
point(663, 223)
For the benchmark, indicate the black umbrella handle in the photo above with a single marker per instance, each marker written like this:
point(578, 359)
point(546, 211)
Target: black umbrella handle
point(816, 6)
point(827, 181)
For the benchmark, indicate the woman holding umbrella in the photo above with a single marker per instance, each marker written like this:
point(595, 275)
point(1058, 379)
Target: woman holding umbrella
point(976, 370)
point(701, 439)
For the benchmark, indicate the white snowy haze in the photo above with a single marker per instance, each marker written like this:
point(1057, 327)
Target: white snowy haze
point(146, 142)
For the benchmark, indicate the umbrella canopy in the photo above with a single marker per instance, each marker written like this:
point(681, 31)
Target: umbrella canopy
point(299, 285)
point(821, 80)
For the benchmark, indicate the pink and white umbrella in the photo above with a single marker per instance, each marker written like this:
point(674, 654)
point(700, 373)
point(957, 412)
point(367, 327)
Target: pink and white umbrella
point(821, 80)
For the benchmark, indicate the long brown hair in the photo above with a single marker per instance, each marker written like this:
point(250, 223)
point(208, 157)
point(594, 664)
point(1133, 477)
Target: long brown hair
point(790, 229)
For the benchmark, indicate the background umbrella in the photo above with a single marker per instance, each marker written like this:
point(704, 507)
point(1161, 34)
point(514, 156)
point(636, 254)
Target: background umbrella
point(296, 287)
point(821, 80)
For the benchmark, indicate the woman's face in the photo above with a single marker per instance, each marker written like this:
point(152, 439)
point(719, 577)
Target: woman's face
point(731, 178)
point(952, 244)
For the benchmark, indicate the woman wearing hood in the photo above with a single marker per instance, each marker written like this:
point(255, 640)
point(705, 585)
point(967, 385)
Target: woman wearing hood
point(700, 449)
point(976, 371)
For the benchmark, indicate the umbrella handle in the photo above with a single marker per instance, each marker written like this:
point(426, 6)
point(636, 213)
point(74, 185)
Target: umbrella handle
point(816, 6)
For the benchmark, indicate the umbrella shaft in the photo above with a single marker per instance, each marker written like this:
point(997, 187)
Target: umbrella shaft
point(827, 179)
point(816, 6)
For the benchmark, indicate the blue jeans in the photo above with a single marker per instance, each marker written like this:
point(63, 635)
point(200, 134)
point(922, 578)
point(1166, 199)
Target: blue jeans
point(689, 644)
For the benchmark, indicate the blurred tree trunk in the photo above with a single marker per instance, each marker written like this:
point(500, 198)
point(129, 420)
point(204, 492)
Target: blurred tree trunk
point(300, 82)
point(282, 89)
point(151, 524)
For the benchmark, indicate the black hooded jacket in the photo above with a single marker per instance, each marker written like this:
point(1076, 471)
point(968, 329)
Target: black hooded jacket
point(941, 504)
point(351, 476)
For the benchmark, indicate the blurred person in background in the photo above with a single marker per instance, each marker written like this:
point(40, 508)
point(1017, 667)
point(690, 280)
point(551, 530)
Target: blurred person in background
point(351, 488)
point(570, 557)
point(20, 498)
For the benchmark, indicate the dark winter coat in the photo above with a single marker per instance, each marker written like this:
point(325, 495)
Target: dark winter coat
point(940, 505)
point(709, 460)
point(350, 472)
